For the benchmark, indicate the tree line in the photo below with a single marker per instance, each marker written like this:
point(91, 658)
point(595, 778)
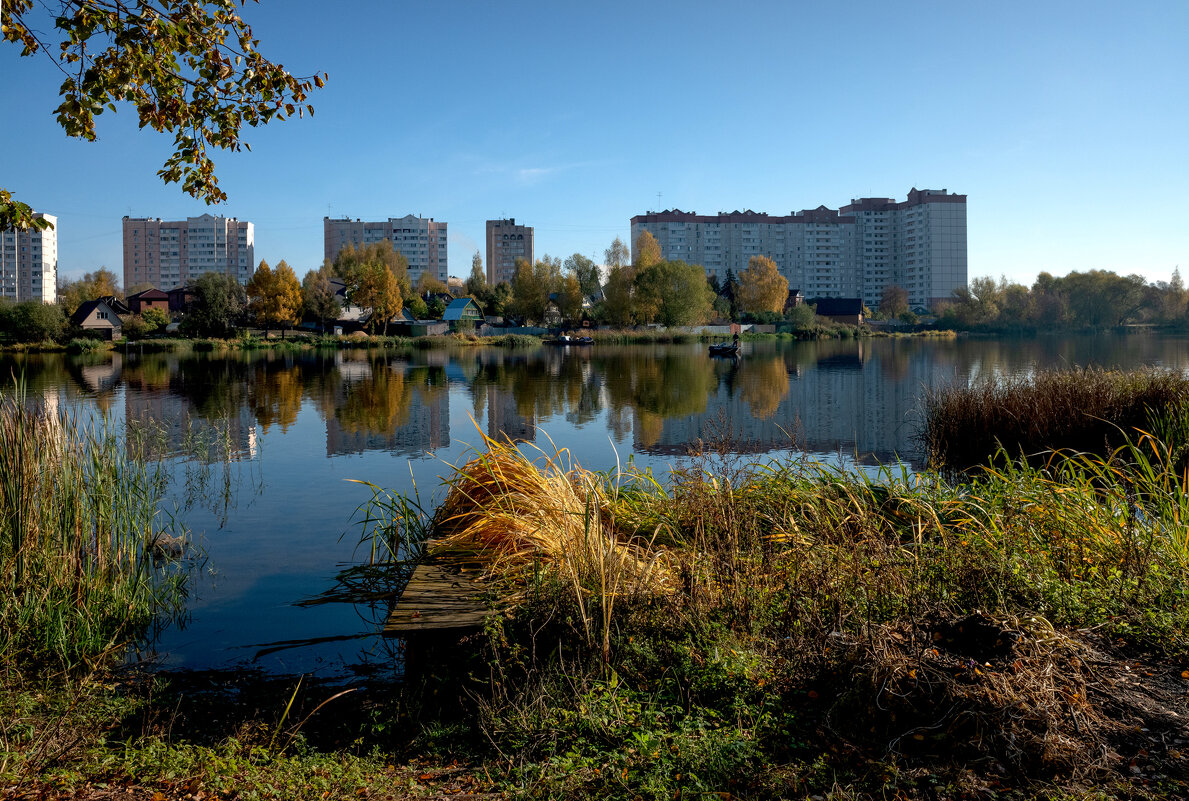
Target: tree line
point(1095, 299)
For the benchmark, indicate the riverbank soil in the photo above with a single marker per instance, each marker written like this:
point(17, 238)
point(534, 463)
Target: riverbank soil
point(973, 707)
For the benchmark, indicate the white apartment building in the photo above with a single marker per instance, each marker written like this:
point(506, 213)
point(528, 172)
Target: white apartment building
point(918, 244)
point(29, 263)
point(420, 239)
point(168, 254)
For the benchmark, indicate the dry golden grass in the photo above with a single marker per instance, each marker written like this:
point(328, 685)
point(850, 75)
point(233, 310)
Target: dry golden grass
point(511, 512)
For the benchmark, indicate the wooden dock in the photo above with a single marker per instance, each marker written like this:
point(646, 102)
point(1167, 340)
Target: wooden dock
point(439, 597)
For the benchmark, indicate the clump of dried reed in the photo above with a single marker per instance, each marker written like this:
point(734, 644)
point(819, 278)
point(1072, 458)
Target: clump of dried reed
point(1084, 409)
point(512, 514)
point(1009, 687)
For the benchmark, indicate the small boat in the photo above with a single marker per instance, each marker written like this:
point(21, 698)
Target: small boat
point(724, 349)
point(584, 341)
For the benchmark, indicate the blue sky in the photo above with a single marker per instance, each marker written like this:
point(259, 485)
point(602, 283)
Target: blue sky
point(1064, 123)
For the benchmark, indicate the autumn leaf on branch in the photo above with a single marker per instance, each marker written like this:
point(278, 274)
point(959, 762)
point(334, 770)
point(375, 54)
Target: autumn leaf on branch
point(190, 68)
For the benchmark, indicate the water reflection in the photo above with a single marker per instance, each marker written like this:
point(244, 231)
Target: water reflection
point(308, 420)
point(856, 396)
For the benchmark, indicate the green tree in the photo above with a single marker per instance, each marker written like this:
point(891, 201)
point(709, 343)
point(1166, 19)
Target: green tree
point(678, 292)
point(418, 309)
point(98, 284)
point(318, 296)
point(802, 316)
point(32, 321)
point(477, 281)
point(761, 287)
point(617, 308)
point(190, 69)
point(495, 299)
point(219, 304)
point(586, 271)
point(154, 319)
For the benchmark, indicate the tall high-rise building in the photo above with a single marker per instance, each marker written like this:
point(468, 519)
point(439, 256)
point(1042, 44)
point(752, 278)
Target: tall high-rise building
point(420, 239)
point(859, 250)
point(507, 242)
point(168, 254)
point(29, 263)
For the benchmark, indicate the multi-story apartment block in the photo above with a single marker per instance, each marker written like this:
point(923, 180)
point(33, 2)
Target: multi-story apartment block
point(507, 242)
point(918, 244)
point(169, 254)
point(420, 239)
point(29, 263)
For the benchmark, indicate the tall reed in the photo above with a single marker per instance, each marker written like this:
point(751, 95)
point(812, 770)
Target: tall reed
point(78, 524)
point(1085, 409)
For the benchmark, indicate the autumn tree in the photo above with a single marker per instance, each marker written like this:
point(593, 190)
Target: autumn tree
point(98, 284)
point(761, 287)
point(427, 283)
point(377, 279)
point(569, 297)
point(531, 286)
point(376, 289)
point(190, 69)
point(677, 291)
point(893, 301)
point(646, 251)
point(318, 295)
point(274, 297)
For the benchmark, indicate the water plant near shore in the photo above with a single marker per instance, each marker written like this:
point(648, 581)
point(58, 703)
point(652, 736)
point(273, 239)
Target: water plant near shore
point(1083, 409)
point(81, 569)
point(904, 614)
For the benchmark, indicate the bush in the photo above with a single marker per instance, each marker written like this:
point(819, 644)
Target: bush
point(34, 321)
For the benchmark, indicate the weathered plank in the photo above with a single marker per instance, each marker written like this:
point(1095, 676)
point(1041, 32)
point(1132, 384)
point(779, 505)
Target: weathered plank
point(438, 597)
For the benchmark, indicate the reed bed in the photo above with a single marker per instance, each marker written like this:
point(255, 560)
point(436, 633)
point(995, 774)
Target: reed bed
point(917, 616)
point(1088, 409)
point(80, 570)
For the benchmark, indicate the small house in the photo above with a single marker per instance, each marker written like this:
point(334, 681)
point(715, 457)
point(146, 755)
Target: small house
point(182, 297)
point(848, 311)
point(117, 305)
point(99, 319)
point(463, 311)
point(148, 299)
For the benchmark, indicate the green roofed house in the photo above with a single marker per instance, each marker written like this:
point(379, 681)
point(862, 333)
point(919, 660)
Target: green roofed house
point(463, 310)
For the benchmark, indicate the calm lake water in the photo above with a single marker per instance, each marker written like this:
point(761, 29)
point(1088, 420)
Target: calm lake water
point(262, 445)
